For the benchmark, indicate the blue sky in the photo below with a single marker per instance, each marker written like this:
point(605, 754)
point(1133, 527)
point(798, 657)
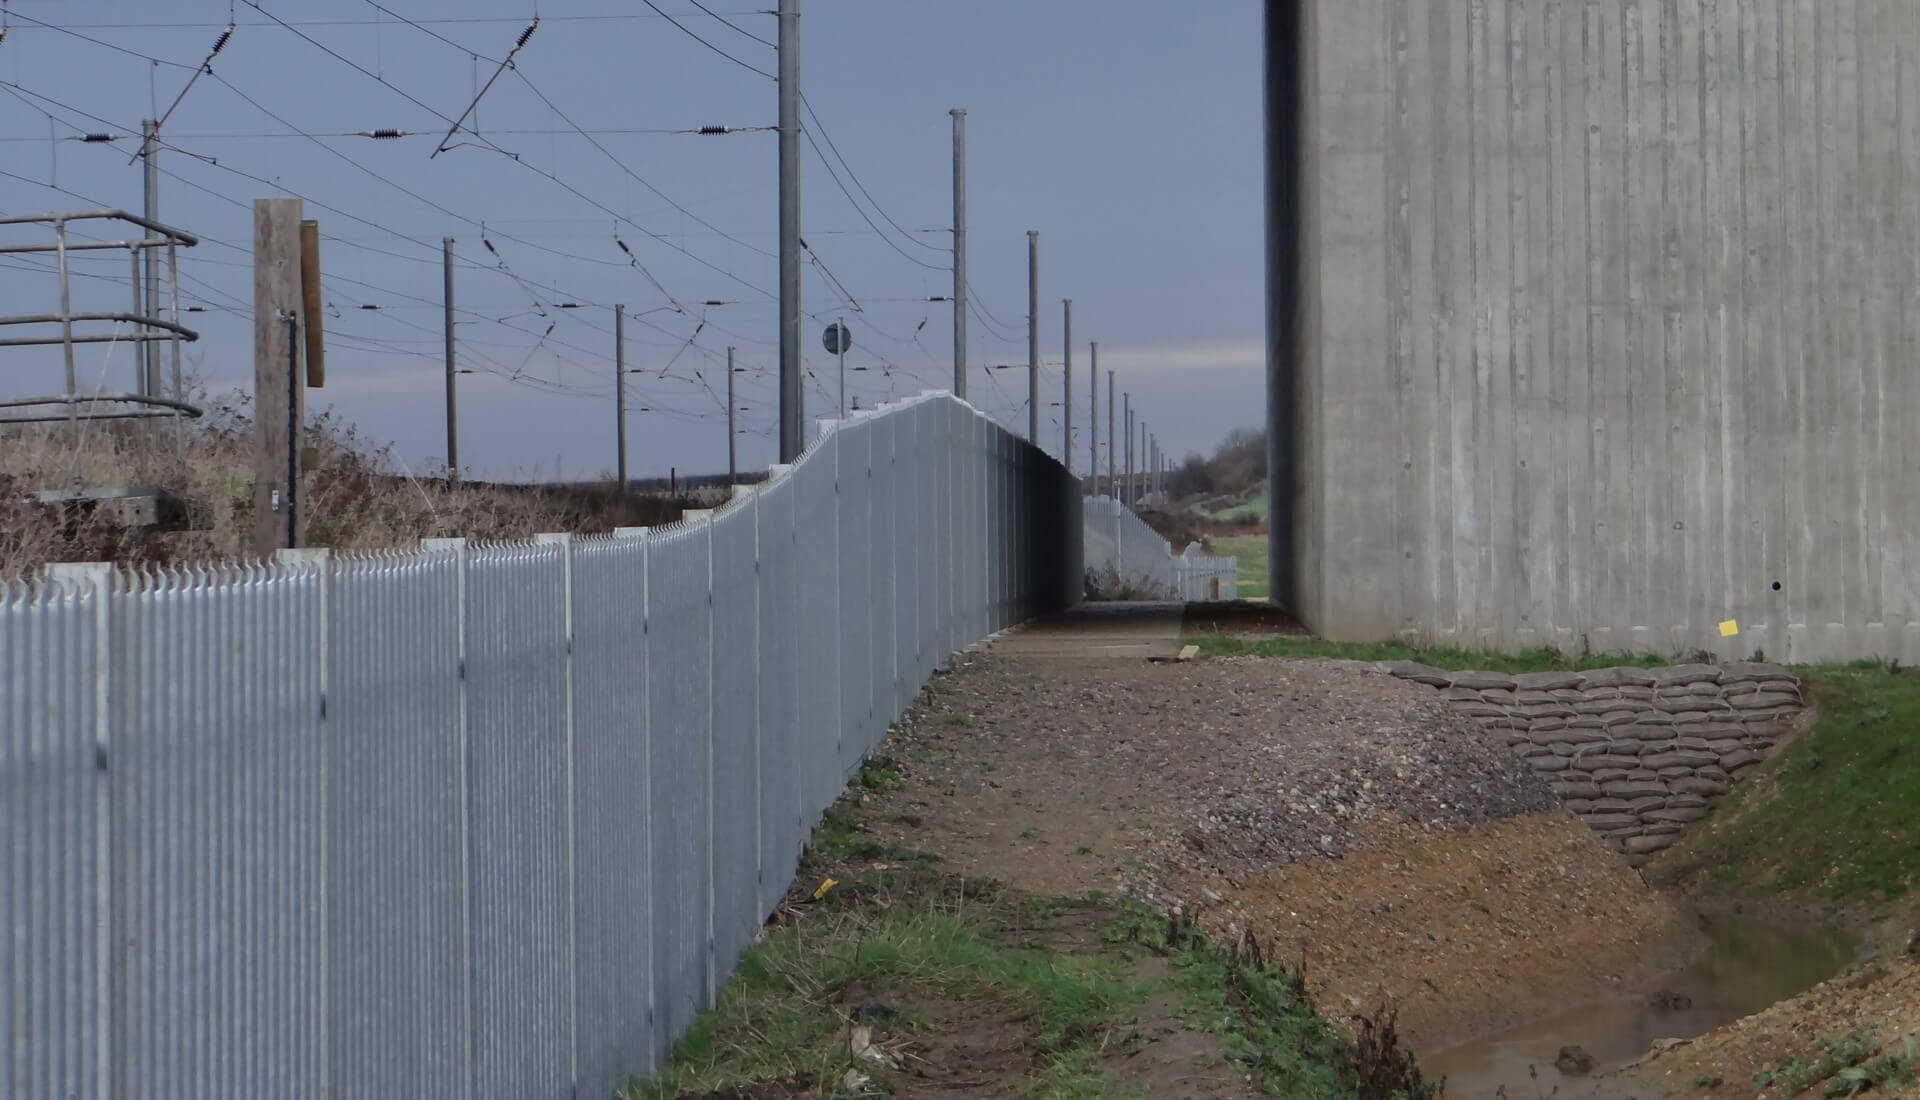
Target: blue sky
point(1127, 132)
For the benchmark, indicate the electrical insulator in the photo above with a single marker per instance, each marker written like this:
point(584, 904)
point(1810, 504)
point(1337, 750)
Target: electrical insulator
point(711, 131)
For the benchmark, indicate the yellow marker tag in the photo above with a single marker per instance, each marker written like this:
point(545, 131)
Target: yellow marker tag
point(824, 887)
point(1188, 653)
point(1729, 628)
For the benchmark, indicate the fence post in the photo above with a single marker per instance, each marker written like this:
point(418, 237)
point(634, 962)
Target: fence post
point(463, 565)
point(565, 542)
point(320, 562)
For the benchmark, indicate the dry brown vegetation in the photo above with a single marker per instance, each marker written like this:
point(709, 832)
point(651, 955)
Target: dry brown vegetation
point(358, 495)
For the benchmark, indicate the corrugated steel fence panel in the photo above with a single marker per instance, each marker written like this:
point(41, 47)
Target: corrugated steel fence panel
point(470, 821)
point(783, 810)
point(736, 734)
point(397, 979)
point(56, 892)
point(613, 952)
point(679, 728)
point(518, 814)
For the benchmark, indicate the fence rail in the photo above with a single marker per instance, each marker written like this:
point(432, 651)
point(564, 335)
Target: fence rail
point(472, 821)
point(1125, 556)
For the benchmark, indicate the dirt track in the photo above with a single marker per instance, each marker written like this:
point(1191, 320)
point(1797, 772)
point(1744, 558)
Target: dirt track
point(1329, 809)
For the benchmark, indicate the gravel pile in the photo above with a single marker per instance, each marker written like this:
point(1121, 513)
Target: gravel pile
point(1292, 758)
point(1240, 763)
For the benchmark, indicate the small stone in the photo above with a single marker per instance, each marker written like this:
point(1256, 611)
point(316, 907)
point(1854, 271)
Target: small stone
point(1574, 1062)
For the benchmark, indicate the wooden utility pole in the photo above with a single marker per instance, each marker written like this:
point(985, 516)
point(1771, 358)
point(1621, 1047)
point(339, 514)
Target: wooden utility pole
point(278, 327)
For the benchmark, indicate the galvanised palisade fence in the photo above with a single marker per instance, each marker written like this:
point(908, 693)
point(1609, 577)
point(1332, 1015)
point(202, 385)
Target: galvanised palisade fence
point(472, 821)
point(1123, 553)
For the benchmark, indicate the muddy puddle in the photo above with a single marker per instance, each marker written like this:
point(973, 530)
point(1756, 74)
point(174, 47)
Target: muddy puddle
point(1748, 966)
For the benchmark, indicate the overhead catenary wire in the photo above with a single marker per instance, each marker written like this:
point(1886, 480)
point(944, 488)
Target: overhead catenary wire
point(684, 29)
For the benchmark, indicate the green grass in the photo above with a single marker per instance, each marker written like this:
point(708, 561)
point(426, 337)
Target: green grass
point(1253, 511)
point(1252, 552)
point(1847, 1065)
point(1269, 1022)
point(1539, 660)
point(1833, 813)
point(1071, 971)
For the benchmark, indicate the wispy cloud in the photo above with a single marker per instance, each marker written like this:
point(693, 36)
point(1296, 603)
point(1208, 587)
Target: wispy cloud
point(1248, 355)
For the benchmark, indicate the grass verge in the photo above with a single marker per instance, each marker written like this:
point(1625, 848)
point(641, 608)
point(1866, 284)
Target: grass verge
point(901, 978)
point(1832, 813)
point(1252, 569)
point(1538, 660)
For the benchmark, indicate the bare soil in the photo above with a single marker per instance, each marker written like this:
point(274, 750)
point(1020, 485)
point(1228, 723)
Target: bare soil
point(1880, 1000)
point(1330, 809)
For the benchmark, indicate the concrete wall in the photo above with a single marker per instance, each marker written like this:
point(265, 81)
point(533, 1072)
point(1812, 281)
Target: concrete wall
point(1610, 317)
